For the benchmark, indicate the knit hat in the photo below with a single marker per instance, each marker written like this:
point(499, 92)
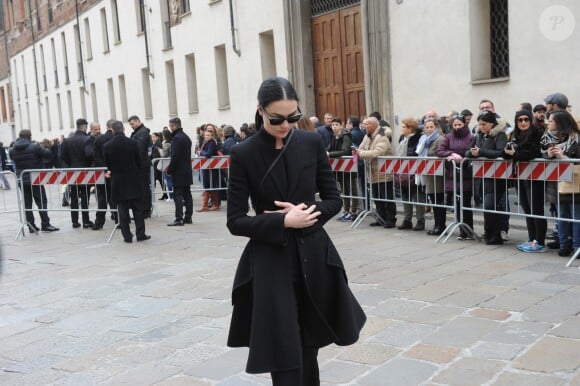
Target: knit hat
point(539, 107)
point(487, 116)
point(522, 113)
point(558, 99)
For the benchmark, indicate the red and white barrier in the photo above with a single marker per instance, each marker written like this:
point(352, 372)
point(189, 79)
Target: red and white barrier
point(77, 177)
point(345, 165)
point(210, 163)
point(427, 167)
point(533, 170)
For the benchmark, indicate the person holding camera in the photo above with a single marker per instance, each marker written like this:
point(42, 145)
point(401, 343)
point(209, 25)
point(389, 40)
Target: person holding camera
point(490, 144)
point(525, 146)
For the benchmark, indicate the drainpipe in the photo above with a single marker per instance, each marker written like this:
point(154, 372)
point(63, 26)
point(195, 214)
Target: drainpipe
point(82, 65)
point(234, 44)
point(34, 51)
point(142, 10)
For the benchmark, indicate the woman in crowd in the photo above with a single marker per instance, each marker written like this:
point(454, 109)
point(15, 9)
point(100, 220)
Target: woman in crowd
point(165, 152)
point(290, 292)
point(525, 146)
point(453, 148)
point(410, 135)
point(156, 140)
point(339, 146)
point(210, 177)
point(490, 144)
point(307, 125)
point(561, 141)
point(434, 185)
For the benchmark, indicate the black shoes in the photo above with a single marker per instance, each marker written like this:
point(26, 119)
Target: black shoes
point(494, 241)
point(88, 225)
point(419, 227)
point(376, 224)
point(144, 238)
point(567, 250)
point(389, 225)
point(405, 225)
point(187, 221)
point(97, 227)
point(435, 231)
point(33, 228)
point(128, 240)
point(176, 223)
point(163, 197)
point(49, 228)
point(76, 225)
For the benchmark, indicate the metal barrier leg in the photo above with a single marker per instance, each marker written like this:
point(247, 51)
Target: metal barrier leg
point(112, 233)
point(574, 257)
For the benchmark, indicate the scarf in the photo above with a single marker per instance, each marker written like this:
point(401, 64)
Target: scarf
point(425, 143)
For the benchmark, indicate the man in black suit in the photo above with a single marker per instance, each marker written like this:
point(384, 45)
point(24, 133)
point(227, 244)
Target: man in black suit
point(124, 162)
point(180, 170)
point(103, 191)
point(78, 153)
point(141, 135)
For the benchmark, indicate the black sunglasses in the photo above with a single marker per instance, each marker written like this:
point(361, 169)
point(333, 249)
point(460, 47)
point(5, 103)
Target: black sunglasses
point(279, 120)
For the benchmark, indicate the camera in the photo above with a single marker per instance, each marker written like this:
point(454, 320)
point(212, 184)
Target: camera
point(511, 146)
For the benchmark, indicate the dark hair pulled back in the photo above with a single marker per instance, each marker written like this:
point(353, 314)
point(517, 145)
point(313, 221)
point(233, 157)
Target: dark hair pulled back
point(271, 90)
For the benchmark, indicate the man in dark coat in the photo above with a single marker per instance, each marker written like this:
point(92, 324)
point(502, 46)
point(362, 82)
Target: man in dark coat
point(141, 135)
point(180, 170)
point(78, 153)
point(28, 155)
point(103, 191)
point(123, 160)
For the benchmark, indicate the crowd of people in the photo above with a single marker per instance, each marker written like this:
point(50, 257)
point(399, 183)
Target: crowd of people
point(544, 130)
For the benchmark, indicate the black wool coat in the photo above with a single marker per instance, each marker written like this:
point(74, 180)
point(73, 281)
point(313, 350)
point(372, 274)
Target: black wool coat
point(144, 143)
point(265, 313)
point(180, 165)
point(124, 161)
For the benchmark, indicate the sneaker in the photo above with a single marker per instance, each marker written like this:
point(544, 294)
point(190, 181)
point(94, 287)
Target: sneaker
point(504, 235)
point(523, 245)
point(169, 200)
point(533, 247)
point(343, 216)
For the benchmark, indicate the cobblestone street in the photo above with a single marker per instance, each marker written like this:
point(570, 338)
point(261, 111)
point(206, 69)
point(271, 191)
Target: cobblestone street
point(77, 311)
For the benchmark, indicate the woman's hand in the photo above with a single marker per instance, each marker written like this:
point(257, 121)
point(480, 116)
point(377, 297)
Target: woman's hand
point(555, 152)
point(509, 151)
point(297, 216)
point(475, 151)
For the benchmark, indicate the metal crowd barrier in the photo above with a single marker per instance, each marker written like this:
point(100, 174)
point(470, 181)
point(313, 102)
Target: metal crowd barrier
point(209, 175)
point(9, 183)
point(352, 186)
point(548, 187)
point(49, 182)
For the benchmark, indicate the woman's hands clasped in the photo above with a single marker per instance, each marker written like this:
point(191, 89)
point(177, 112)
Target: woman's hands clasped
point(297, 216)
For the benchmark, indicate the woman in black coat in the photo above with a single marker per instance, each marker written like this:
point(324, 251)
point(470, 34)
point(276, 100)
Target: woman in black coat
point(290, 292)
point(490, 143)
point(525, 146)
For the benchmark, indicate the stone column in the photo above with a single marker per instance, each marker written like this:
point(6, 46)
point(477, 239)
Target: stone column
point(299, 52)
point(377, 63)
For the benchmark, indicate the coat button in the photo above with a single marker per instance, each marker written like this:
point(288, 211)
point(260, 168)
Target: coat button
point(305, 276)
point(305, 260)
point(301, 241)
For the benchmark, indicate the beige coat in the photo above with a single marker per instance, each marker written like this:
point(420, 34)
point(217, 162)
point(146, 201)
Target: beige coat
point(370, 149)
point(434, 184)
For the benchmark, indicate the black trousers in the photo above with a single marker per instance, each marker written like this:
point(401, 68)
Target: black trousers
point(39, 194)
point(182, 197)
point(492, 200)
point(387, 210)
point(82, 192)
point(136, 207)
point(146, 182)
point(308, 374)
point(103, 192)
point(439, 214)
point(532, 201)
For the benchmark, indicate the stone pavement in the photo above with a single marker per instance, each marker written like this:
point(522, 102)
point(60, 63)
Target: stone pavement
point(76, 311)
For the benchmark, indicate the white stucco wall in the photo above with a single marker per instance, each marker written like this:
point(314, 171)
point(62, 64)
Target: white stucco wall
point(206, 26)
point(431, 58)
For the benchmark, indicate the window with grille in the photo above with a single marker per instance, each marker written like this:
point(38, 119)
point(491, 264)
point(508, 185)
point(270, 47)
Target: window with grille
point(499, 52)
point(489, 38)
point(320, 7)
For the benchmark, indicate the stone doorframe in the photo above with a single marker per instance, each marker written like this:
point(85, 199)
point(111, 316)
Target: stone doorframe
point(376, 49)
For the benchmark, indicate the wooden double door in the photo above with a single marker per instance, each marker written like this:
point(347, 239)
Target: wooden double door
point(338, 63)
